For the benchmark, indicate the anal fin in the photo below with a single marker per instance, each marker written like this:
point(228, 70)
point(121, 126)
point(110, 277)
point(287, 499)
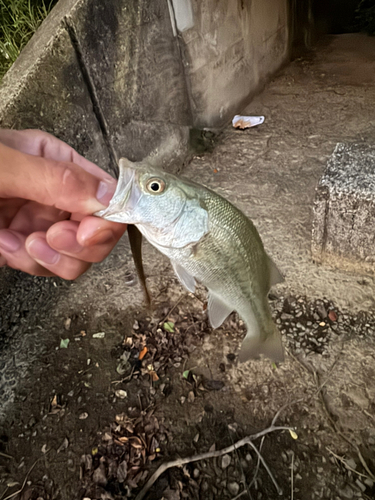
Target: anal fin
point(217, 310)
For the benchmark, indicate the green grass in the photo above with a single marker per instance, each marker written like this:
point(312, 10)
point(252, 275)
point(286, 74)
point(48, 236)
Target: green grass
point(365, 16)
point(19, 19)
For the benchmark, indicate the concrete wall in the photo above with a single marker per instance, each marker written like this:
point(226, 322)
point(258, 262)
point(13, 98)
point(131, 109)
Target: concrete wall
point(230, 51)
point(106, 77)
point(121, 77)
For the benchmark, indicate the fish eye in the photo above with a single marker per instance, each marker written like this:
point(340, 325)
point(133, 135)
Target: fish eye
point(155, 186)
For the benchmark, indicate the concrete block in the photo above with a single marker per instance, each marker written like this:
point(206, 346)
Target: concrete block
point(343, 232)
point(134, 64)
point(167, 144)
point(45, 89)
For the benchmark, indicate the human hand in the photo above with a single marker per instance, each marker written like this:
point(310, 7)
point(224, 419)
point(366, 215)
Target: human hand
point(47, 193)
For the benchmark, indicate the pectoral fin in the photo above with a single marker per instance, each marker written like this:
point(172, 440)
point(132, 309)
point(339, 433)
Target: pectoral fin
point(217, 310)
point(135, 240)
point(186, 279)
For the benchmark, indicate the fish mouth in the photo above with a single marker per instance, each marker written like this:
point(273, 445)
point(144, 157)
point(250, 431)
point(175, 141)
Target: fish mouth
point(124, 199)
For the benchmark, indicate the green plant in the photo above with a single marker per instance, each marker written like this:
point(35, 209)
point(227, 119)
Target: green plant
point(365, 16)
point(19, 19)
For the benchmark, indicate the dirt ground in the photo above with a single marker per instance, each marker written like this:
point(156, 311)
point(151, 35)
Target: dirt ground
point(96, 393)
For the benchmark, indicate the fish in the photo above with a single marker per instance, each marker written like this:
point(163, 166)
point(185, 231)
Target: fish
point(208, 240)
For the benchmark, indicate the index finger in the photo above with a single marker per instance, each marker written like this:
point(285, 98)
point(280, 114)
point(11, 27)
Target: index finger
point(40, 143)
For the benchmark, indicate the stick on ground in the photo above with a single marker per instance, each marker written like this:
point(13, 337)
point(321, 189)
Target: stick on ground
point(202, 456)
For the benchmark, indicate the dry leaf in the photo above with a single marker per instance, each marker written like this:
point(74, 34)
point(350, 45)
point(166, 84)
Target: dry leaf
point(136, 442)
point(99, 476)
point(332, 315)
point(122, 472)
point(143, 353)
point(293, 434)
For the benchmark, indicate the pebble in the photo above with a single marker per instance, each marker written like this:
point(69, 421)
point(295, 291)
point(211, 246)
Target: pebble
point(98, 335)
point(205, 486)
point(350, 462)
point(233, 488)
point(346, 492)
point(120, 393)
point(360, 485)
point(196, 473)
point(369, 482)
point(225, 461)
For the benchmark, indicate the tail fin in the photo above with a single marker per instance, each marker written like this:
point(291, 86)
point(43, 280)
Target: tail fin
point(268, 344)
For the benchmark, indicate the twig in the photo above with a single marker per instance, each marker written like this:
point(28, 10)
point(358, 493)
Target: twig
point(319, 387)
point(258, 464)
point(292, 478)
point(247, 488)
point(278, 489)
point(363, 462)
point(343, 461)
point(368, 414)
point(239, 495)
point(6, 456)
point(173, 308)
point(128, 377)
point(18, 492)
point(212, 454)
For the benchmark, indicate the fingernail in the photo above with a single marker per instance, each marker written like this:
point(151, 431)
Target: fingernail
point(65, 240)
point(40, 251)
point(9, 241)
point(106, 190)
point(98, 238)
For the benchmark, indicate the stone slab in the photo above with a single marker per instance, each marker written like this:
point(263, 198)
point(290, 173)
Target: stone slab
point(343, 232)
point(45, 89)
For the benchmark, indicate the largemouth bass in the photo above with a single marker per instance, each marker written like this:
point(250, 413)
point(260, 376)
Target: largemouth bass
point(208, 240)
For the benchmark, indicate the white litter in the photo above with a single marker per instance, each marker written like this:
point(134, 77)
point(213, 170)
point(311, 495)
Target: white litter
point(99, 335)
point(121, 394)
point(243, 122)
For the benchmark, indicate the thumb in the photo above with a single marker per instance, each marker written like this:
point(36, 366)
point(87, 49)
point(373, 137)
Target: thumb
point(63, 185)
